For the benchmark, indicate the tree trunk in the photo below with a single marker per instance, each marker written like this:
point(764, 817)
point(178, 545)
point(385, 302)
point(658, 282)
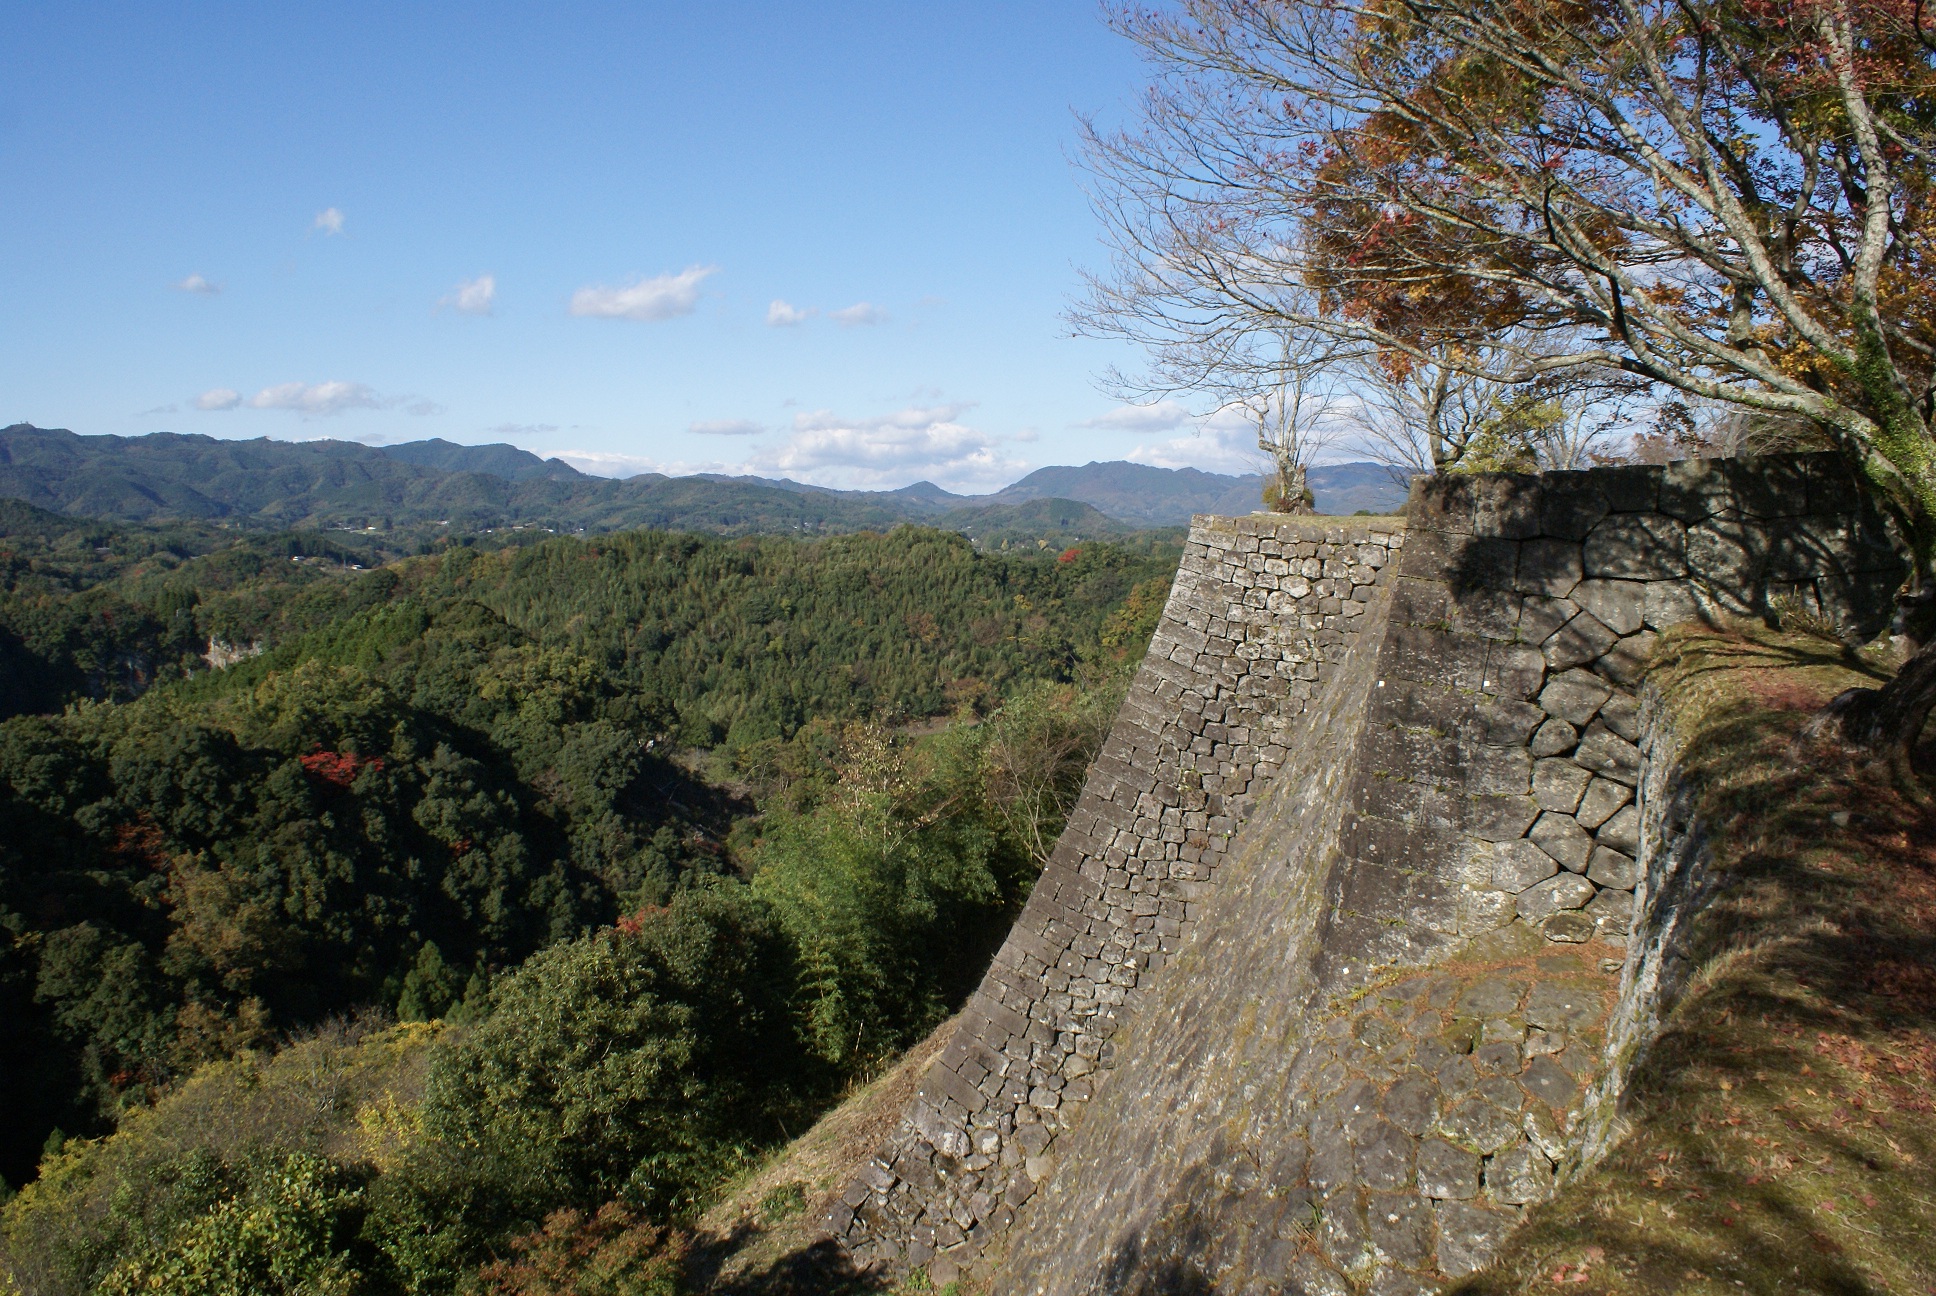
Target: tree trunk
point(1887, 721)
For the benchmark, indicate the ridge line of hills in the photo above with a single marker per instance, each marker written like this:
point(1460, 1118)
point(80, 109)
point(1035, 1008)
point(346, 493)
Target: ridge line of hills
point(341, 484)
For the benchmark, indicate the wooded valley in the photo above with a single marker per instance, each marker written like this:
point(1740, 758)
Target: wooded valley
point(492, 905)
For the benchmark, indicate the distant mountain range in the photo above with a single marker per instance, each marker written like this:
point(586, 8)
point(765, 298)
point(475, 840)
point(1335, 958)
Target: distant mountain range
point(345, 484)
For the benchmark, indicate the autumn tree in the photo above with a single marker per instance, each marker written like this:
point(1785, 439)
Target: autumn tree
point(1729, 199)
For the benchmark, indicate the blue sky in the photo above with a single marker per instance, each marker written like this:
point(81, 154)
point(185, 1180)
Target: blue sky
point(828, 241)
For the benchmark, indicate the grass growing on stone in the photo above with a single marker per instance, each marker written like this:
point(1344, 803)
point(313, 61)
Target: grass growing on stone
point(1782, 1132)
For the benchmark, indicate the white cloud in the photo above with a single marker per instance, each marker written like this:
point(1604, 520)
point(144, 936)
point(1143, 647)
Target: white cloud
point(331, 397)
point(422, 408)
point(858, 313)
point(1223, 443)
point(602, 463)
point(522, 429)
point(887, 451)
point(473, 296)
point(198, 285)
point(782, 314)
point(1160, 417)
point(329, 220)
point(661, 298)
point(726, 427)
point(218, 398)
point(824, 449)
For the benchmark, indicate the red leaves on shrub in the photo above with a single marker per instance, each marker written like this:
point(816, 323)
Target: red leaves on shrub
point(338, 769)
point(1069, 555)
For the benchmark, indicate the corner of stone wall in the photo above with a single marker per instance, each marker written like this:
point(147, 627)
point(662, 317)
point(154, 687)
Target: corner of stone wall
point(1262, 608)
point(1491, 951)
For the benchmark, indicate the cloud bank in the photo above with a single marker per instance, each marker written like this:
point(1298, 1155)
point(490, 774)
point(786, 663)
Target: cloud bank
point(314, 400)
point(883, 452)
point(726, 427)
point(661, 298)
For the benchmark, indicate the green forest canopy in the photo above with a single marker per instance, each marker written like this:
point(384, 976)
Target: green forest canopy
point(461, 785)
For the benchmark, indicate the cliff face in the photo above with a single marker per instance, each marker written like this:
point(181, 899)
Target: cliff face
point(1343, 1052)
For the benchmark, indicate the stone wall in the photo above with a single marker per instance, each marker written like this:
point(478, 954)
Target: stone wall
point(1403, 1011)
point(1263, 610)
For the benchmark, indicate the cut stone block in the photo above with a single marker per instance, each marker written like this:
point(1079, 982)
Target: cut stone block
point(1581, 640)
point(1469, 1236)
point(1622, 715)
point(1484, 911)
point(1514, 671)
point(1575, 697)
point(1641, 546)
point(1480, 1124)
point(1610, 868)
point(1559, 836)
point(1672, 603)
point(1620, 605)
point(1544, 899)
point(1558, 784)
point(1518, 865)
point(1608, 754)
point(1540, 616)
point(1555, 738)
point(1622, 831)
point(1626, 663)
point(1561, 1005)
point(1549, 567)
point(1401, 1231)
point(1446, 1171)
point(1603, 799)
point(1612, 912)
point(1519, 1176)
point(1569, 927)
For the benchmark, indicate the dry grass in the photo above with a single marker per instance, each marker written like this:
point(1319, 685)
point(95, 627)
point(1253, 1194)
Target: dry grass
point(1783, 1130)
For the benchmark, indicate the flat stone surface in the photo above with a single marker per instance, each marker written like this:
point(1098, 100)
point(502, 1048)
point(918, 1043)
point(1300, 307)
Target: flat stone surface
point(1559, 783)
point(1575, 696)
point(1603, 798)
point(1447, 1171)
point(1554, 738)
point(1610, 868)
point(1518, 865)
point(1581, 640)
point(1607, 754)
point(1412, 1104)
point(1621, 831)
point(1563, 839)
point(1469, 1236)
point(1618, 604)
point(1400, 1225)
point(1563, 1005)
point(1644, 546)
point(1478, 1124)
point(1569, 927)
point(1550, 1082)
point(1567, 891)
point(1549, 567)
point(1519, 1176)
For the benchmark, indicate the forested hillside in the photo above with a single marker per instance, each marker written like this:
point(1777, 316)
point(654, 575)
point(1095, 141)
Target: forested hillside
point(675, 835)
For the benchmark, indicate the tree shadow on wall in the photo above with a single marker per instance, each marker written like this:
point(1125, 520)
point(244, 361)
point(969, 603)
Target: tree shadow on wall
point(1175, 1254)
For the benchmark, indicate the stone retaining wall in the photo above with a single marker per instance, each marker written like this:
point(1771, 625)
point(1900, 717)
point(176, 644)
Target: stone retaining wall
point(1396, 1019)
point(1263, 609)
